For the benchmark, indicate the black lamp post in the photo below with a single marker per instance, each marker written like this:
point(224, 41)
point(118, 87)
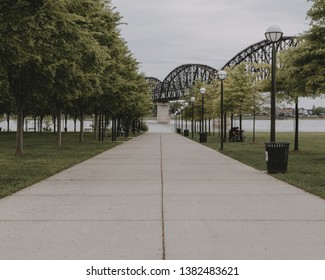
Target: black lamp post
point(175, 121)
point(179, 121)
point(222, 75)
point(203, 134)
point(182, 109)
point(185, 105)
point(202, 91)
point(273, 34)
point(254, 122)
point(192, 127)
point(186, 131)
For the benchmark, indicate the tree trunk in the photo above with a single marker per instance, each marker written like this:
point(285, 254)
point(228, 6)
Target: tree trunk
point(59, 134)
point(134, 126)
point(114, 129)
point(54, 119)
point(95, 127)
point(35, 124)
point(65, 123)
point(103, 127)
point(41, 124)
point(225, 127)
point(127, 128)
point(118, 127)
point(232, 120)
point(99, 127)
point(81, 133)
point(19, 134)
point(296, 148)
point(8, 122)
point(240, 127)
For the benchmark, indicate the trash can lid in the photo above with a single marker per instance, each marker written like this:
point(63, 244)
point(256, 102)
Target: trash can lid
point(277, 144)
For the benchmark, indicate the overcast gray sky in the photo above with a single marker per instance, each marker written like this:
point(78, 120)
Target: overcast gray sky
point(164, 34)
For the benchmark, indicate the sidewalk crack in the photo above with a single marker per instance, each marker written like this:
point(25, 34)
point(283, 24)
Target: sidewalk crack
point(162, 200)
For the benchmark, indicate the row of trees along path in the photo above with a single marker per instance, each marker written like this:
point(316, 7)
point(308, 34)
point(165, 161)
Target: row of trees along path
point(60, 56)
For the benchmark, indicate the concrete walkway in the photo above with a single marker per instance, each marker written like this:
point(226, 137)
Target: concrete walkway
point(162, 196)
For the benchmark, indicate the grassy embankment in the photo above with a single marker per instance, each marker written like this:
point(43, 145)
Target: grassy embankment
point(42, 158)
point(306, 168)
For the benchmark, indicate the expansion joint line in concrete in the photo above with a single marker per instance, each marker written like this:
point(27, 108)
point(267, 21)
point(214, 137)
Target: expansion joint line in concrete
point(162, 200)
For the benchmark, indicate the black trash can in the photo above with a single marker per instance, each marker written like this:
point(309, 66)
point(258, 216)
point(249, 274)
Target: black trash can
point(178, 130)
point(276, 156)
point(186, 132)
point(203, 137)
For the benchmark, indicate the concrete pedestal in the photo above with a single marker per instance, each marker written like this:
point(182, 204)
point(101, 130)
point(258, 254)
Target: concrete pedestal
point(163, 112)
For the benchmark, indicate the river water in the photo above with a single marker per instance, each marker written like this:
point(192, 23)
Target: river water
point(305, 125)
point(29, 125)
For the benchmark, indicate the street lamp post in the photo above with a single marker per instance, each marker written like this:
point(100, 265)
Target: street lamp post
point(254, 122)
point(273, 34)
point(186, 132)
point(276, 152)
point(185, 105)
point(182, 110)
point(179, 130)
point(192, 127)
point(222, 75)
point(175, 121)
point(202, 91)
point(203, 134)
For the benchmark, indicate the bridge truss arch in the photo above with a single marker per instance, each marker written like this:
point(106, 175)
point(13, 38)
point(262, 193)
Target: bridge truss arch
point(154, 86)
point(174, 85)
point(260, 53)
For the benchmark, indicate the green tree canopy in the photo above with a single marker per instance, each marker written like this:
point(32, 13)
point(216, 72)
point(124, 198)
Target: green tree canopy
point(239, 90)
point(67, 52)
point(304, 65)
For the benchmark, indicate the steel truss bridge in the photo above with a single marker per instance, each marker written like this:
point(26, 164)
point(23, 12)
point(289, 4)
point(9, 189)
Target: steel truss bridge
point(173, 87)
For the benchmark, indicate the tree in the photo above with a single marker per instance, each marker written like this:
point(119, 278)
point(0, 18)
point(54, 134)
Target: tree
point(315, 40)
point(239, 94)
point(318, 111)
point(6, 101)
point(19, 58)
point(77, 59)
point(100, 23)
point(303, 69)
point(305, 63)
point(64, 53)
point(238, 90)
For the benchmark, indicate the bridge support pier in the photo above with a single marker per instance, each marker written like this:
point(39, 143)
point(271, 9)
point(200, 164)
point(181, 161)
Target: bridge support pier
point(163, 112)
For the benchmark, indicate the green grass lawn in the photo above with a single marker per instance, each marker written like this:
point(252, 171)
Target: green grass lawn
point(42, 158)
point(306, 168)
